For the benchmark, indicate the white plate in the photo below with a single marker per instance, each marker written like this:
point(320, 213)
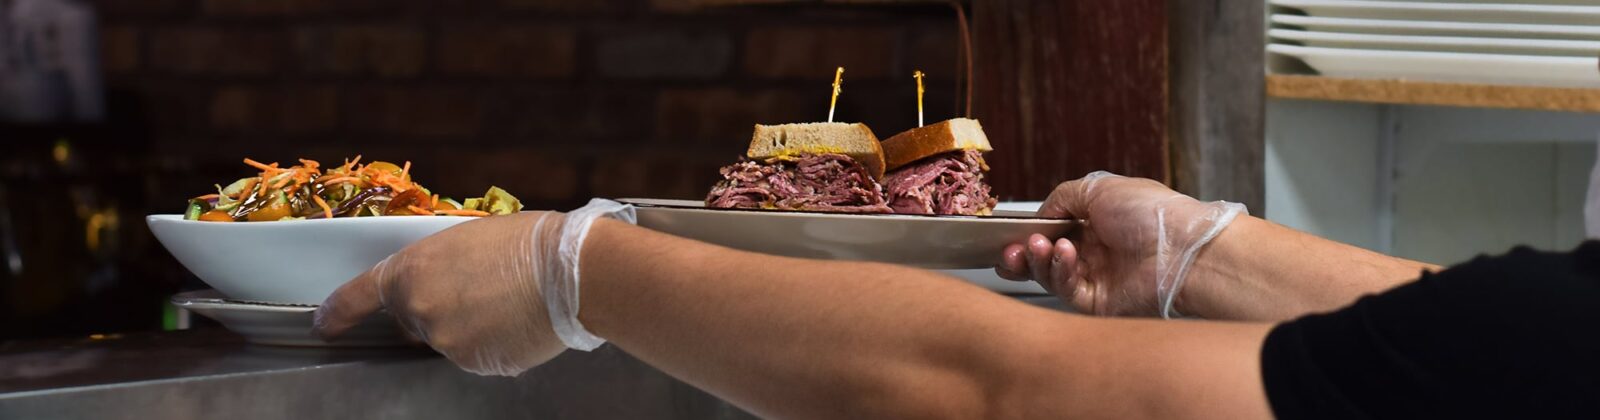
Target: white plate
point(285, 324)
point(1448, 12)
point(1412, 27)
point(986, 278)
point(935, 242)
point(298, 261)
point(1447, 67)
point(1440, 43)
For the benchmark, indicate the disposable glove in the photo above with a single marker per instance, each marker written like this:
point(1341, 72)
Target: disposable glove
point(496, 296)
point(1139, 242)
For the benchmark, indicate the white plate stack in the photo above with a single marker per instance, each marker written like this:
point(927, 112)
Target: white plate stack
point(1511, 42)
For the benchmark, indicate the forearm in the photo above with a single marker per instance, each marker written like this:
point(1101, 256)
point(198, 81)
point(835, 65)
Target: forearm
point(815, 339)
point(1259, 270)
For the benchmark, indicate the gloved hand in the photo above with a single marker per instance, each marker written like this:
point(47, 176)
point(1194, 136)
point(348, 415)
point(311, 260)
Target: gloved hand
point(1139, 241)
point(496, 296)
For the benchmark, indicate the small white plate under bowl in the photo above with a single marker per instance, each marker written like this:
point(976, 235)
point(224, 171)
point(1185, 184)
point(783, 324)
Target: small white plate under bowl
point(1415, 27)
point(933, 242)
point(1447, 67)
point(281, 324)
point(1448, 12)
point(1461, 44)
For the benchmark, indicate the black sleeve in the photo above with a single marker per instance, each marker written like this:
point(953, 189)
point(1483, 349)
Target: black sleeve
point(1513, 336)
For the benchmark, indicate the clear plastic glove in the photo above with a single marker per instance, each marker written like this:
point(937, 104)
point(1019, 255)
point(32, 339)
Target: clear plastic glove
point(496, 296)
point(1139, 241)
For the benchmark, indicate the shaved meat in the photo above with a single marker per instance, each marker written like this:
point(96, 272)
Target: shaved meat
point(820, 182)
point(950, 183)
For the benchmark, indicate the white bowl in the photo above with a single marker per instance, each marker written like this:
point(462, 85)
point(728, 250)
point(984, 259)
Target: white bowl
point(298, 261)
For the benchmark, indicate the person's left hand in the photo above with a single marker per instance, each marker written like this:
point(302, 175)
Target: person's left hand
point(471, 292)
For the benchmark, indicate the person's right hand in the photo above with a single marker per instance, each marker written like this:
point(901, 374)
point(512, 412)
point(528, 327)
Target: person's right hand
point(1139, 240)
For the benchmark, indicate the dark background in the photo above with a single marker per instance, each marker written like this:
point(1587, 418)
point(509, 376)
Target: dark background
point(556, 101)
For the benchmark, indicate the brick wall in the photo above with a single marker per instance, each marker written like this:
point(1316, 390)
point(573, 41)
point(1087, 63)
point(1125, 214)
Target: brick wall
point(555, 100)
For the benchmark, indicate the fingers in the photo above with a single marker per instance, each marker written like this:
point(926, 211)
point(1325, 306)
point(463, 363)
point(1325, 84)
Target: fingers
point(348, 305)
point(1039, 258)
point(1071, 198)
point(1013, 266)
point(1063, 264)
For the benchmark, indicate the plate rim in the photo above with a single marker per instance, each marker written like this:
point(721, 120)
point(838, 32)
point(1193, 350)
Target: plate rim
point(681, 204)
point(213, 299)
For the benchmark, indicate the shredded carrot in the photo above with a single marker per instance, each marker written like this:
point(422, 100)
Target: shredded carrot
point(207, 197)
point(326, 212)
point(341, 180)
point(435, 203)
point(405, 173)
point(262, 187)
point(309, 164)
point(418, 210)
point(260, 165)
point(282, 182)
point(477, 213)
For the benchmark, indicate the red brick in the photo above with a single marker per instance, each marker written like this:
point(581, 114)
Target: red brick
point(694, 5)
point(567, 6)
point(216, 51)
point(561, 116)
point(654, 176)
point(382, 50)
point(934, 50)
point(726, 116)
point(120, 50)
point(814, 52)
point(279, 8)
point(503, 50)
point(417, 112)
point(121, 8)
point(663, 54)
point(288, 110)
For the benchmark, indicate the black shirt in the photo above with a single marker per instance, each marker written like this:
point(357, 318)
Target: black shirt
point(1513, 336)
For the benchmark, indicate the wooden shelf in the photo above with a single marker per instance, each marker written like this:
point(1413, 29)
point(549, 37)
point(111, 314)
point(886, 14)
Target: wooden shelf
point(1391, 91)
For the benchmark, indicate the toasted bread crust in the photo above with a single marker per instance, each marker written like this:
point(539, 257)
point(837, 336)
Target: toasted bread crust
point(944, 136)
point(790, 140)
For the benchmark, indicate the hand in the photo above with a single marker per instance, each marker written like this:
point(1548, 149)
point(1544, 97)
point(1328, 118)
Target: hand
point(1139, 240)
point(496, 296)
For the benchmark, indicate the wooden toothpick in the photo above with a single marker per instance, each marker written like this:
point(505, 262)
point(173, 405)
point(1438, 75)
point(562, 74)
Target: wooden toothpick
point(918, 74)
point(838, 76)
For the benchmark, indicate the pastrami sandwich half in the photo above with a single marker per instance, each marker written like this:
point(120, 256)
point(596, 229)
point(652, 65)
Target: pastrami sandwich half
point(833, 167)
point(938, 169)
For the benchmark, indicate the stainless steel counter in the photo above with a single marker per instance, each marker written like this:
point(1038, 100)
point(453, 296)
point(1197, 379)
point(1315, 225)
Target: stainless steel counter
point(214, 374)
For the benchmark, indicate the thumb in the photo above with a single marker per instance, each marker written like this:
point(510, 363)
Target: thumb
point(1071, 199)
point(351, 303)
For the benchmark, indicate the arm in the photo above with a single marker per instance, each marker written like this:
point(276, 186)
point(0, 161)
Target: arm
point(1129, 260)
point(1261, 270)
point(816, 339)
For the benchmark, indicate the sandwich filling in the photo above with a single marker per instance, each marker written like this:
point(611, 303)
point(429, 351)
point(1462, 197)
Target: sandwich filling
point(818, 182)
point(947, 183)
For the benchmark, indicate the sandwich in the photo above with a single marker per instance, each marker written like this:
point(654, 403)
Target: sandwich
point(829, 167)
point(938, 169)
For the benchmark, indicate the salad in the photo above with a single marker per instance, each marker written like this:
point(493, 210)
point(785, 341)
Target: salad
point(306, 191)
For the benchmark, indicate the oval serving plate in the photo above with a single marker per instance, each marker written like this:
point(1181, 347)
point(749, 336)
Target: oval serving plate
point(932, 242)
